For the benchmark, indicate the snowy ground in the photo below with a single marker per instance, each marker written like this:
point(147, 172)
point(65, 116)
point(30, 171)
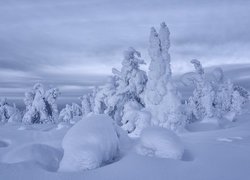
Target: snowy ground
point(34, 152)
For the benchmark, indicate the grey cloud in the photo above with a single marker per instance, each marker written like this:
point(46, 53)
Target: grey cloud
point(37, 36)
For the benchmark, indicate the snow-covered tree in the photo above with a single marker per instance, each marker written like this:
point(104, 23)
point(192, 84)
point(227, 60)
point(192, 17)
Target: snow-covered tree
point(66, 114)
point(132, 79)
point(201, 103)
point(124, 86)
point(131, 83)
point(230, 98)
point(213, 98)
point(9, 113)
point(71, 113)
point(162, 99)
point(41, 105)
point(86, 104)
point(51, 96)
point(106, 101)
point(76, 110)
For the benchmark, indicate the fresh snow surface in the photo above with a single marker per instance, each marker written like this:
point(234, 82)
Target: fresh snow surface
point(160, 142)
point(90, 143)
point(213, 154)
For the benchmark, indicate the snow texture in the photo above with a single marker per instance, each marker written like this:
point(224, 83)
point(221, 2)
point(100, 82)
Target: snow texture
point(160, 142)
point(90, 143)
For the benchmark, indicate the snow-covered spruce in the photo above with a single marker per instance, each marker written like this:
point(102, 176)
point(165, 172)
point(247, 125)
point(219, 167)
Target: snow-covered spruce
point(162, 99)
point(41, 105)
point(160, 142)
point(9, 113)
point(131, 88)
point(98, 144)
point(124, 87)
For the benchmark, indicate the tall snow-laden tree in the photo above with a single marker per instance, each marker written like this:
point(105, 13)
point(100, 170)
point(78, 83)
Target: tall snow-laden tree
point(162, 99)
point(131, 85)
point(125, 85)
point(132, 79)
point(40, 105)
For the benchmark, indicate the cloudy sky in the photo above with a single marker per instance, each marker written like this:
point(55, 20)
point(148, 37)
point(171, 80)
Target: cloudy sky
point(73, 44)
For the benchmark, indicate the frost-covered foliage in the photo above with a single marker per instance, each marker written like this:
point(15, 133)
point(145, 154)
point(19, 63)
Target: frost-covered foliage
point(230, 99)
point(135, 119)
point(98, 144)
point(9, 113)
point(76, 110)
point(123, 87)
point(214, 98)
point(41, 105)
point(106, 100)
point(66, 114)
point(70, 113)
point(51, 96)
point(200, 105)
point(86, 104)
point(162, 98)
point(160, 142)
point(132, 82)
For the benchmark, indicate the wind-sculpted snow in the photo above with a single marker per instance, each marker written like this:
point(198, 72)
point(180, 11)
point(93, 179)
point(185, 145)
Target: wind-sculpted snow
point(214, 154)
point(160, 142)
point(42, 155)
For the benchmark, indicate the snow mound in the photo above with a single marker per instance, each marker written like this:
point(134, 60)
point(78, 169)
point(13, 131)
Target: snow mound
point(160, 142)
point(42, 155)
point(90, 143)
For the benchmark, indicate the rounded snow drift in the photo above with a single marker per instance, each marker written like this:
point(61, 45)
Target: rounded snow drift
point(160, 142)
point(90, 143)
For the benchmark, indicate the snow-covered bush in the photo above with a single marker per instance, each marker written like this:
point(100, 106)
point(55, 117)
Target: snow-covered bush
point(98, 144)
point(41, 105)
point(135, 119)
point(9, 113)
point(160, 142)
point(162, 99)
